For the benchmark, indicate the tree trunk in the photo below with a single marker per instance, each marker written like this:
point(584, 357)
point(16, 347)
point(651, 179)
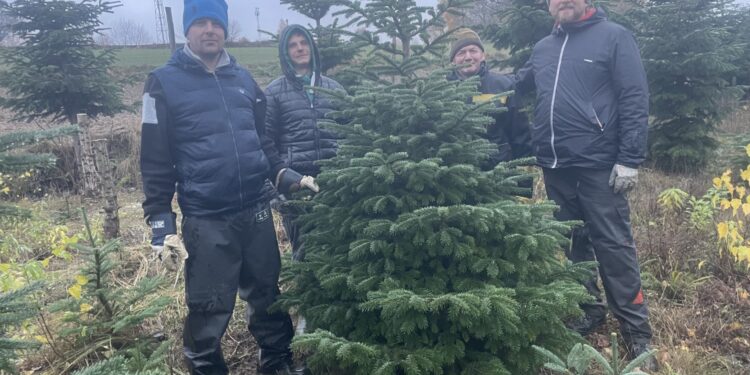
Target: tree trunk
point(87, 161)
point(108, 191)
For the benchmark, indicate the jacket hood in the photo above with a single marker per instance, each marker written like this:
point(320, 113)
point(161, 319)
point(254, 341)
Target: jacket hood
point(598, 16)
point(286, 62)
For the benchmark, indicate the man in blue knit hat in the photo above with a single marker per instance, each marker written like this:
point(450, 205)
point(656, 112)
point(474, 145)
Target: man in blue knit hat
point(203, 136)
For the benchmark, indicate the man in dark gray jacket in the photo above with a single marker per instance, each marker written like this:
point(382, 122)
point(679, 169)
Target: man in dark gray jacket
point(589, 137)
point(293, 114)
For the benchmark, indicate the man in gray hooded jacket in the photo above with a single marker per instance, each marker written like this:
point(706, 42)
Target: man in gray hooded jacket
point(293, 114)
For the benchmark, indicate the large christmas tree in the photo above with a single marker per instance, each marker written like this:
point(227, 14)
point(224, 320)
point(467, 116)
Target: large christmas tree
point(419, 262)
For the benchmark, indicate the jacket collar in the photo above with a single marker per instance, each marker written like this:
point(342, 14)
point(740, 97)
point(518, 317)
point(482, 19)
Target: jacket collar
point(455, 75)
point(188, 60)
point(591, 17)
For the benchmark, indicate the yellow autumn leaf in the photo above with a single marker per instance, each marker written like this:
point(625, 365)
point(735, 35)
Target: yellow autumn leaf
point(745, 175)
point(717, 182)
point(746, 209)
point(722, 229)
point(41, 339)
point(85, 307)
point(725, 204)
point(45, 262)
point(736, 203)
point(736, 326)
point(5, 190)
point(81, 280)
point(740, 191)
point(75, 291)
point(747, 149)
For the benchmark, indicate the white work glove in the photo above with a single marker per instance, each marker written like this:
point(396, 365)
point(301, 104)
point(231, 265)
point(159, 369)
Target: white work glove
point(623, 179)
point(288, 181)
point(172, 254)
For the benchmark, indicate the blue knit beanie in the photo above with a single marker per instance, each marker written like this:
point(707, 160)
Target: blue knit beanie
point(197, 9)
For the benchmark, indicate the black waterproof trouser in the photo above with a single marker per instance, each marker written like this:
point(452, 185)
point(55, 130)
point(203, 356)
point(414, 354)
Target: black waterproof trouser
point(584, 194)
point(237, 252)
point(288, 219)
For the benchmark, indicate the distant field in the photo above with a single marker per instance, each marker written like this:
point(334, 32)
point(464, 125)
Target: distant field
point(248, 56)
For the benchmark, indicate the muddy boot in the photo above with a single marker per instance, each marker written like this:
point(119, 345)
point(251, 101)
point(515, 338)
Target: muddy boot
point(635, 350)
point(586, 324)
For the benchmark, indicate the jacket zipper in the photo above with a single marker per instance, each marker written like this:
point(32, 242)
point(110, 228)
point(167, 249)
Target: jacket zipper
point(315, 125)
point(234, 140)
point(601, 127)
point(552, 104)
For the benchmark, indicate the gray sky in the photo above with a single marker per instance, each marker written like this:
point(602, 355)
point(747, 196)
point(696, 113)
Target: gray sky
point(271, 12)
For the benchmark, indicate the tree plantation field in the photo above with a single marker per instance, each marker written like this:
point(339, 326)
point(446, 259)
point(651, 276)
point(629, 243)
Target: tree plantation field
point(424, 253)
point(153, 57)
point(699, 303)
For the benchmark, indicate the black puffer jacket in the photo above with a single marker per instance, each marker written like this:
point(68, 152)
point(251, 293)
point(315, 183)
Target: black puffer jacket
point(510, 131)
point(592, 96)
point(293, 113)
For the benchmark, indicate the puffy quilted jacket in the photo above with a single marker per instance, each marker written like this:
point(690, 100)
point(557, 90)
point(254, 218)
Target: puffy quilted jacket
point(293, 113)
point(203, 137)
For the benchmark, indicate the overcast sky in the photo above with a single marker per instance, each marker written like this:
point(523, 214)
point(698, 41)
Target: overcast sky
point(271, 12)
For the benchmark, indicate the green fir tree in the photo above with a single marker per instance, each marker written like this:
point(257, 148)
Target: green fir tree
point(14, 310)
point(100, 317)
point(408, 45)
point(689, 54)
point(521, 25)
point(417, 261)
point(57, 72)
point(15, 161)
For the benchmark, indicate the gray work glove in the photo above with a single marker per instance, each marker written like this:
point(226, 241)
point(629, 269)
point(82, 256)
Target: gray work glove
point(623, 179)
point(288, 181)
point(172, 253)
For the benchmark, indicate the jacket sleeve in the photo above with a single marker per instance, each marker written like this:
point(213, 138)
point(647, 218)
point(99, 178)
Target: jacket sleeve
point(264, 111)
point(525, 79)
point(520, 137)
point(629, 80)
point(157, 165)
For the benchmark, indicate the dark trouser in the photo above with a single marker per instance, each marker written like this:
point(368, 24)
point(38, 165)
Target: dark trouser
point(292, 233)
point(584, 194)
point(234, 253)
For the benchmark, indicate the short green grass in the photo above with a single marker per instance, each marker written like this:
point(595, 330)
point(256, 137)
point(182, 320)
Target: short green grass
point(152, 57)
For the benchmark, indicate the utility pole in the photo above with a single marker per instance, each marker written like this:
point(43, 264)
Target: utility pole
point(161, 23)
point(257, 20)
